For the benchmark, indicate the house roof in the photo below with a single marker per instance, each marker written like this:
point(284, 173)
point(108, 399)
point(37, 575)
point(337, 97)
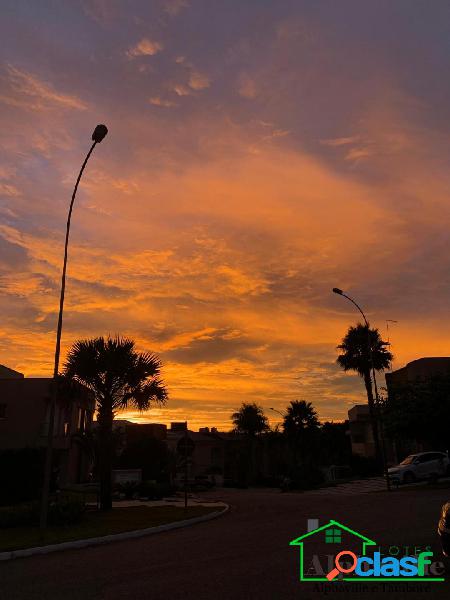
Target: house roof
point(7, 373)
point(298, 541)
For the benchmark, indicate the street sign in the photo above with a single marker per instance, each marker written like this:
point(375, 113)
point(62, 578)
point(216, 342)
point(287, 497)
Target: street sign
point(185, 446)
point(183, 462)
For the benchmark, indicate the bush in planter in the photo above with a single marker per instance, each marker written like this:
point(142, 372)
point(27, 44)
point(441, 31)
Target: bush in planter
point(154, 490)
point(129, 488)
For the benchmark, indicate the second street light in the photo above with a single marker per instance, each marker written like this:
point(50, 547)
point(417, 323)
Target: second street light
point(98, 135)
point(379, 448)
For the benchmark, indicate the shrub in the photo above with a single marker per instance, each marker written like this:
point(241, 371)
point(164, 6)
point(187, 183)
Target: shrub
point(307, 476)
point(21, 471)
point(129, 488)
point(66, 510)
point(155, 491)
point(21, 515)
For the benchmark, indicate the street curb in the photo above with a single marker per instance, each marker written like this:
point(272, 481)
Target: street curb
point(106, 539)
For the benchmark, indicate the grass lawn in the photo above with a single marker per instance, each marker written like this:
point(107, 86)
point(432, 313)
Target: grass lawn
point(95, 524)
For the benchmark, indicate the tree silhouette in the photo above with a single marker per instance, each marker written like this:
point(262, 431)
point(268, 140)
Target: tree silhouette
point(250, 420)
point(119, 377)
point(301, 426)
point(363, 349)
point(300, 416)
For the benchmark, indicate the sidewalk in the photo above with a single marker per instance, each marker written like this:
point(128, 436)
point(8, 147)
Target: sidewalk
point(177, 501)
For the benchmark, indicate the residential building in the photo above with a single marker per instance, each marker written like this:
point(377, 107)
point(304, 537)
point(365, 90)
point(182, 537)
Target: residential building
point(360, 429)
point(419, 369)
point(416, 372)
point(24, 416)
point(208, 454)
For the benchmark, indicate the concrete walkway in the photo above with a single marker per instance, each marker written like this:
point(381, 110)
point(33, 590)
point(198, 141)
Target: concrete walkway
point(177, 501)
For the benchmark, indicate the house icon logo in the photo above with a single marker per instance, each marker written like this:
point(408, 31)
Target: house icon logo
point(334, 552)
point(318, 548)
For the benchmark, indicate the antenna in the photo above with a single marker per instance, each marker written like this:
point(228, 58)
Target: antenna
point(387, 335)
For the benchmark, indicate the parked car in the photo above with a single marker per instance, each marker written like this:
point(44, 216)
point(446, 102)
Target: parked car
point(416, 467)
point(444, 529)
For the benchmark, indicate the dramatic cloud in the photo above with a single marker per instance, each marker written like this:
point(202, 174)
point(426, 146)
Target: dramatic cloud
point(265, 156)
point(28, 91)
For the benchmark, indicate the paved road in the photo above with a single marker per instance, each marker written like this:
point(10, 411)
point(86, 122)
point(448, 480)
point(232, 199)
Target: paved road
point(243, 555)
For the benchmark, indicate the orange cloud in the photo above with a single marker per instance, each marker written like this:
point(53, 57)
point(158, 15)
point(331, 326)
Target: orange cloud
point(145, 47)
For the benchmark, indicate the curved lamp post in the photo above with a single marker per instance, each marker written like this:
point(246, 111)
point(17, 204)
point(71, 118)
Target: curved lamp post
point(277, 411)
point(339, 292)
point(98, 135)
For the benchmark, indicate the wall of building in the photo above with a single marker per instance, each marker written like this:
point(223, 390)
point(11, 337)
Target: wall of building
point(24, 422)
point(360, 428)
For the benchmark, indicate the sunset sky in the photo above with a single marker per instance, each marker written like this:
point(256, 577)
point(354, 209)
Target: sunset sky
point(259, 153)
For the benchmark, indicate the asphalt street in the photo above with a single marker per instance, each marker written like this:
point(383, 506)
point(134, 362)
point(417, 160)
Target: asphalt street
point(242, 555)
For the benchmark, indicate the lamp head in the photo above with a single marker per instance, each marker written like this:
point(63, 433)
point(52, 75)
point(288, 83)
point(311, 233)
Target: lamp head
point(99, 133)
point(338, 291)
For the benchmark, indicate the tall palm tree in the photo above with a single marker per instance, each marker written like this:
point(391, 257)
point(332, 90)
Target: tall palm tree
point(363, 350)
point(250, 420)
point(119, 378)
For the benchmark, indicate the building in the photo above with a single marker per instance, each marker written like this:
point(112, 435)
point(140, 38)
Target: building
point(24, 416)
point(360, 428)
point(420, 369)
point(416, 372)
point(132, 432)
point(207, 458)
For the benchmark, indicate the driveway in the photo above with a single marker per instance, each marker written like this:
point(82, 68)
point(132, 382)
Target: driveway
point(245, 554)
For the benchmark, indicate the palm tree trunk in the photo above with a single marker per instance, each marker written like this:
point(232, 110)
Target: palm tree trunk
point(372, 414)
point(105, 419)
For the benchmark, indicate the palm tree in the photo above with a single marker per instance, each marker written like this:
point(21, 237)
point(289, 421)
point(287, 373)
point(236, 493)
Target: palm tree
point(250, 420)
point(119, 378)
point(364, 350)
point(301, 425)
point(300, 416)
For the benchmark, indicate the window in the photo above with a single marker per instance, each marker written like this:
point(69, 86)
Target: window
point(333, 536)
point(80, 420)
point(426, 458)
point(2, 411)
point(437, 456)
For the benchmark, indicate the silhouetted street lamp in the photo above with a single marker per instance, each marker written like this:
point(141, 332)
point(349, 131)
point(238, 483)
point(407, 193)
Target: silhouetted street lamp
point(339, 292)
point(98, 135)
point(277, 411)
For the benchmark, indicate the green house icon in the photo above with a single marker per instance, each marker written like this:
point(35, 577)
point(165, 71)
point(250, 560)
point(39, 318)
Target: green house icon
point(333, 535)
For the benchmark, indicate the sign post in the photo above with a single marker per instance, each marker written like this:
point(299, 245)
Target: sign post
point(185, 447)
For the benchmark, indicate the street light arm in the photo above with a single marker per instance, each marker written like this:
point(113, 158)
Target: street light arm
point(63, 276)
point(358, 307)
point(277, 411)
